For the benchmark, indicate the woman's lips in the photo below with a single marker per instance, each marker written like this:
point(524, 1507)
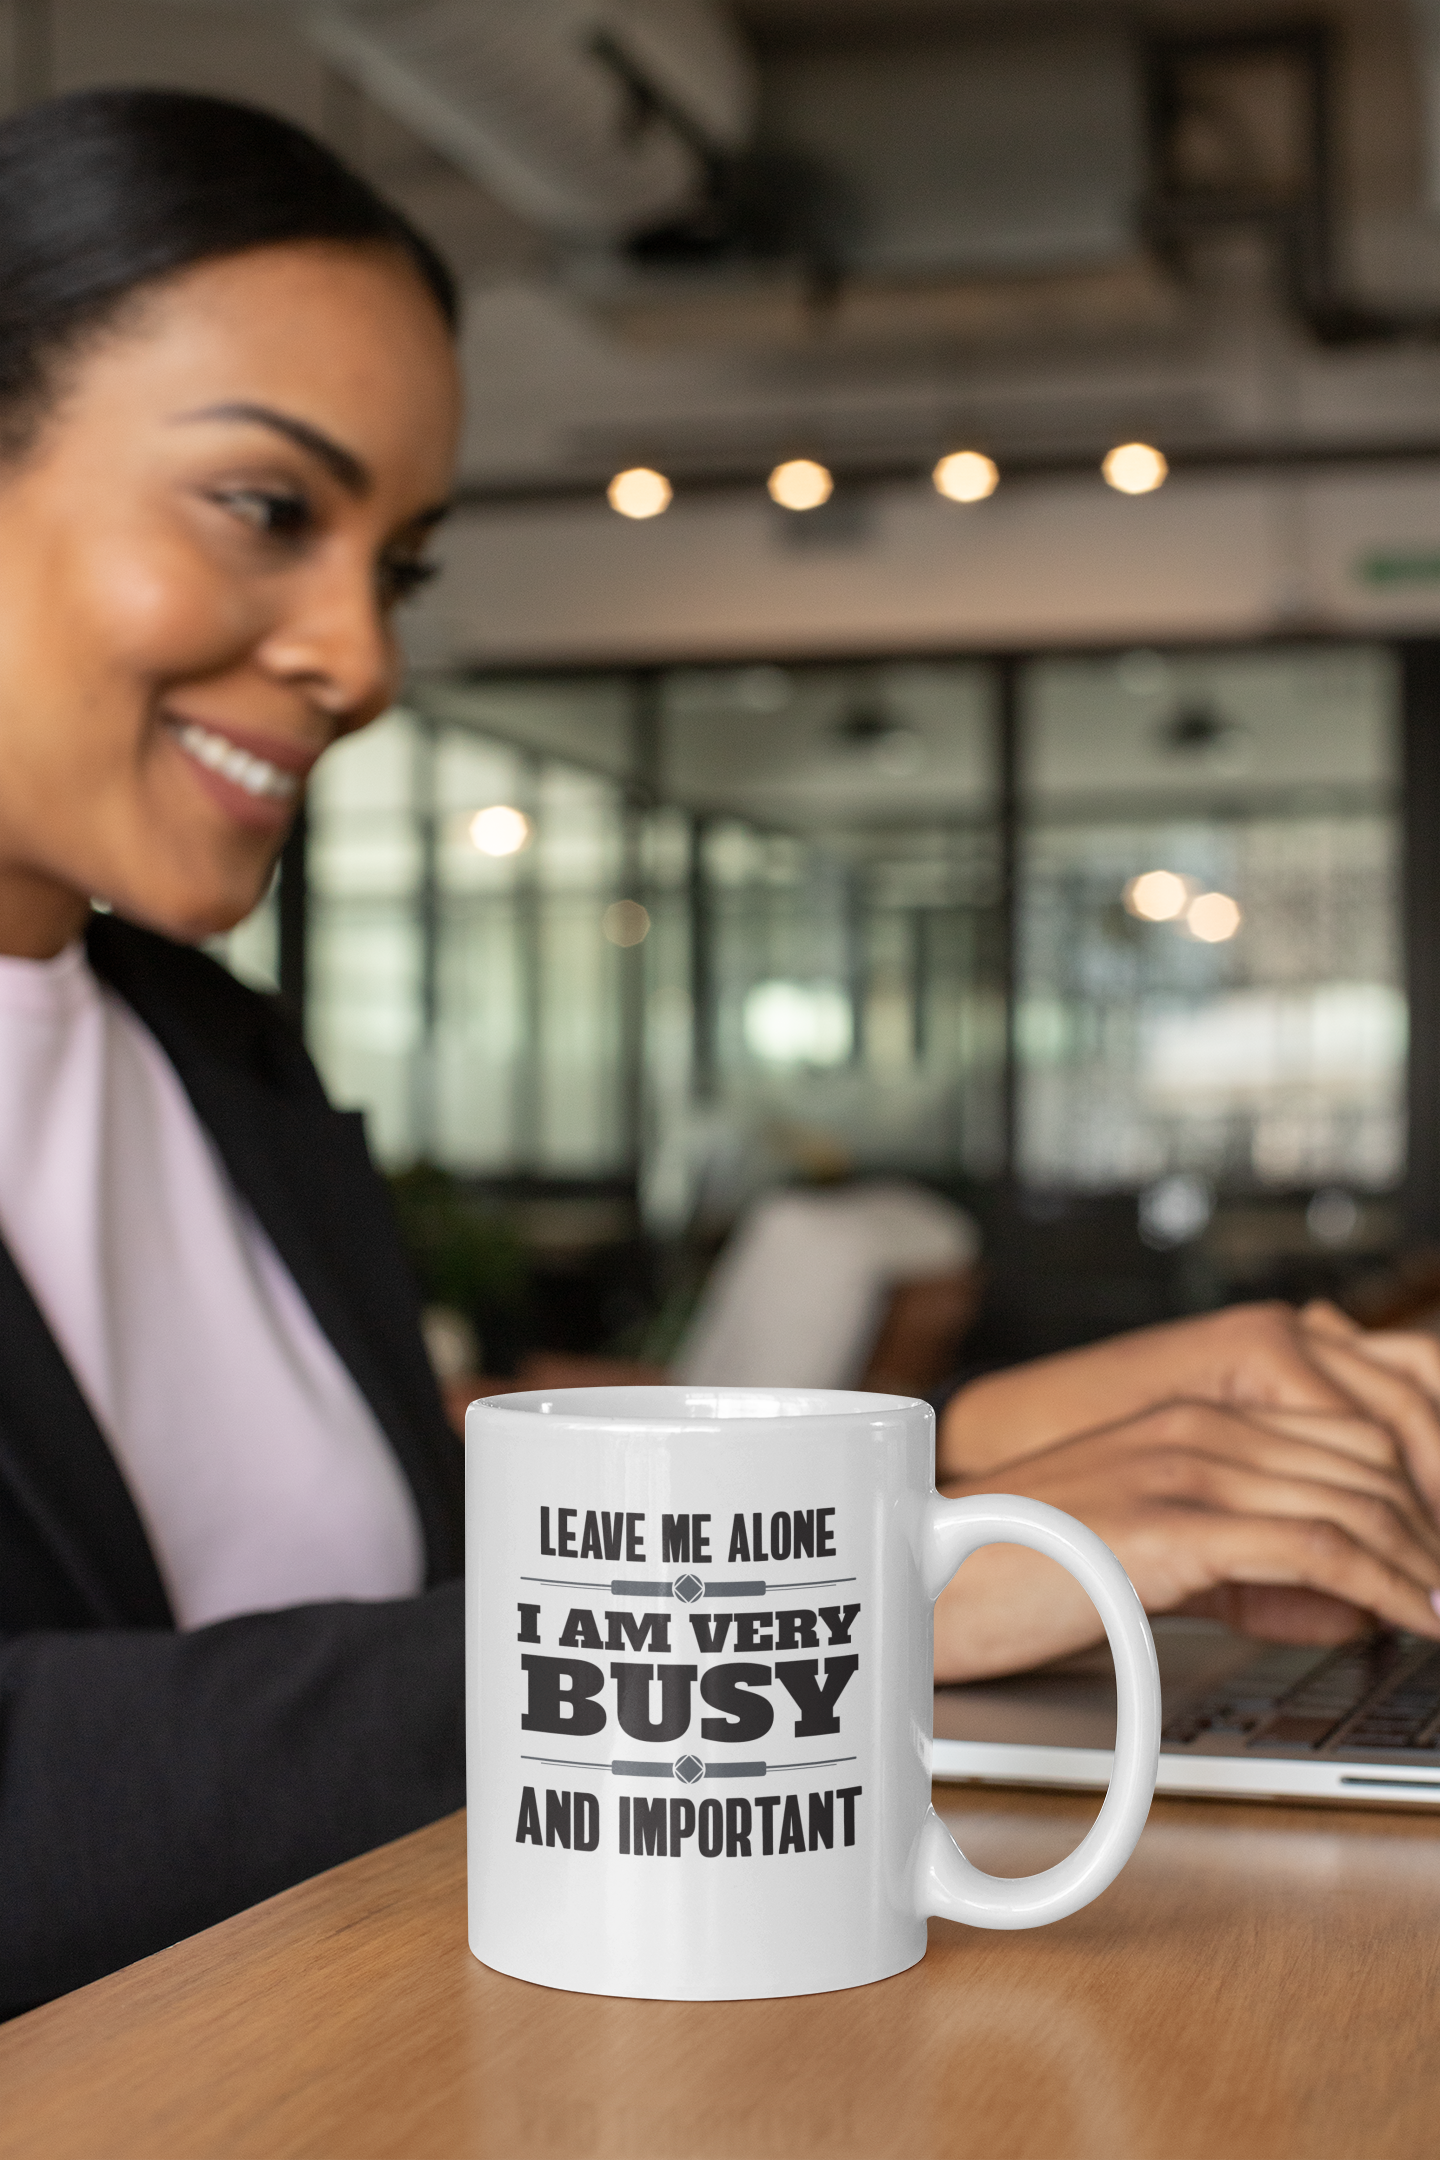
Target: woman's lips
point(255, 789)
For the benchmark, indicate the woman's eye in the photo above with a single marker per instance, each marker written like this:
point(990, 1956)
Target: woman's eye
point(402, 575)
point(277, 513)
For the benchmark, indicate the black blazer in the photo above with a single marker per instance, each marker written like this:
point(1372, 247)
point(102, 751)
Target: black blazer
point(152, 1782)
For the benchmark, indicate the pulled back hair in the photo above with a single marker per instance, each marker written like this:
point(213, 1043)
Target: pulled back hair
point(104, 192)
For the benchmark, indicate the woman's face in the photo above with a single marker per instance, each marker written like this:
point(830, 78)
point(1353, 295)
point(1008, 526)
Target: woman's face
point(200, 553)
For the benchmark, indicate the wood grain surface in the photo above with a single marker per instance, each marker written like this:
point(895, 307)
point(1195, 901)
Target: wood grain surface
point(1261, 1984)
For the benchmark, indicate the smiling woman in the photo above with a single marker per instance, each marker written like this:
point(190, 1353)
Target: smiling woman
point(231, 1628)
point(230, 1634)
point(217, 486)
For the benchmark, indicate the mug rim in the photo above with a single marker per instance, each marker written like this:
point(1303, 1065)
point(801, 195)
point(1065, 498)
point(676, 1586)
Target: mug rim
point(624, 1408)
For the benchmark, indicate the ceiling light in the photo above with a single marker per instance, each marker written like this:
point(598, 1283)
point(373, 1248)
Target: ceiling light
point(800, 484)
point(639, 492)
point(966, 476)
point(1213, 917)
point(1134, 468)
point(1158, 895)
point(625, 922)
point(500, 830)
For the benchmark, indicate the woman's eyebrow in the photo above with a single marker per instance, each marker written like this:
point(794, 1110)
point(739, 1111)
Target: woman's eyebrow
point(351, 472)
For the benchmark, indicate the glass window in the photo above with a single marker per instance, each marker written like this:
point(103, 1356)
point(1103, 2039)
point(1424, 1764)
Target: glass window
point(847, 930)
point(1210, 964)
point(365, 959)
point(480, 1022)
point(463, 984)
point(364, 840)
point(831, 746)
point(580, 861)
point(556, 922)
point(584, 720)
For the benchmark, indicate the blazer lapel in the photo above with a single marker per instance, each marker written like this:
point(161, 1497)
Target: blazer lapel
point(305, 1170)
point(62, 1475)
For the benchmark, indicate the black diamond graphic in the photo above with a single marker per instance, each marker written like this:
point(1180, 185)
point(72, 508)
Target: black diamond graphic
point(688, 1588)
point(689, 1769)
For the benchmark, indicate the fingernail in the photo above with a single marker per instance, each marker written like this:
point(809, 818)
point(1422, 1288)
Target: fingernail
point(1435, 1603)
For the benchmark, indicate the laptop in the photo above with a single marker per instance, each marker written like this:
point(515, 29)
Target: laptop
point(1240, 1720)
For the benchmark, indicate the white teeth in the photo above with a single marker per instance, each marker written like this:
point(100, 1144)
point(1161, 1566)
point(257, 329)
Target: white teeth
point(255, 774)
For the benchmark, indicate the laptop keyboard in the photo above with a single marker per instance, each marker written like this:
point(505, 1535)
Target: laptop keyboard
point(1382, 1693)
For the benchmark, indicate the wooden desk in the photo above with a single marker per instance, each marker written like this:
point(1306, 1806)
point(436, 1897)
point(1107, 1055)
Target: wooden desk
point(1260, 1983)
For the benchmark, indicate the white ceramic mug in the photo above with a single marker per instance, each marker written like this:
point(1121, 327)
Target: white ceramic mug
point(700, 1668)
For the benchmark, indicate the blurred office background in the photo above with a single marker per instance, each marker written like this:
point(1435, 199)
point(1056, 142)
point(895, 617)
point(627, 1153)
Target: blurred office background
point(773, 804)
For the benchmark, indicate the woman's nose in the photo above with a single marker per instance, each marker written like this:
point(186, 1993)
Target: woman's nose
point(335, 642)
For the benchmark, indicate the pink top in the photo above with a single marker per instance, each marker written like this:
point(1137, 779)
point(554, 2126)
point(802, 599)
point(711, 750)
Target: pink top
point(256, 1465)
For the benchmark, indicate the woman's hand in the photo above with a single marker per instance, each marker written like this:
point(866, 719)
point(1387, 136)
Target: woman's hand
point(1365, 1362)
point(1298, 1525)
point(1248, 1357)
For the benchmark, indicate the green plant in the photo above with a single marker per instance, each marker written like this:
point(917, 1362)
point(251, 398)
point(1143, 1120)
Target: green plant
point(464, 1253)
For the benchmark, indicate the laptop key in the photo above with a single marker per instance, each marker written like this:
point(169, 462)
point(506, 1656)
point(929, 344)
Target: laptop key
point(1362, 1692)
point(1292, 1729)
point(1213, 1716)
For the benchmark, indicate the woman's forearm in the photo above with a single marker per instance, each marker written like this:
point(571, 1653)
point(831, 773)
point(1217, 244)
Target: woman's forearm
point(152, 1783)
point(1304, 1526)
point(1245, 1355)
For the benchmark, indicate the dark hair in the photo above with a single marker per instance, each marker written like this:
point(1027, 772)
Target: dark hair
point(106, 191)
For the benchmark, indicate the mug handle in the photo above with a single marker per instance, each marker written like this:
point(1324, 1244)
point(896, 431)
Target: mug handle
point(945, 1883)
